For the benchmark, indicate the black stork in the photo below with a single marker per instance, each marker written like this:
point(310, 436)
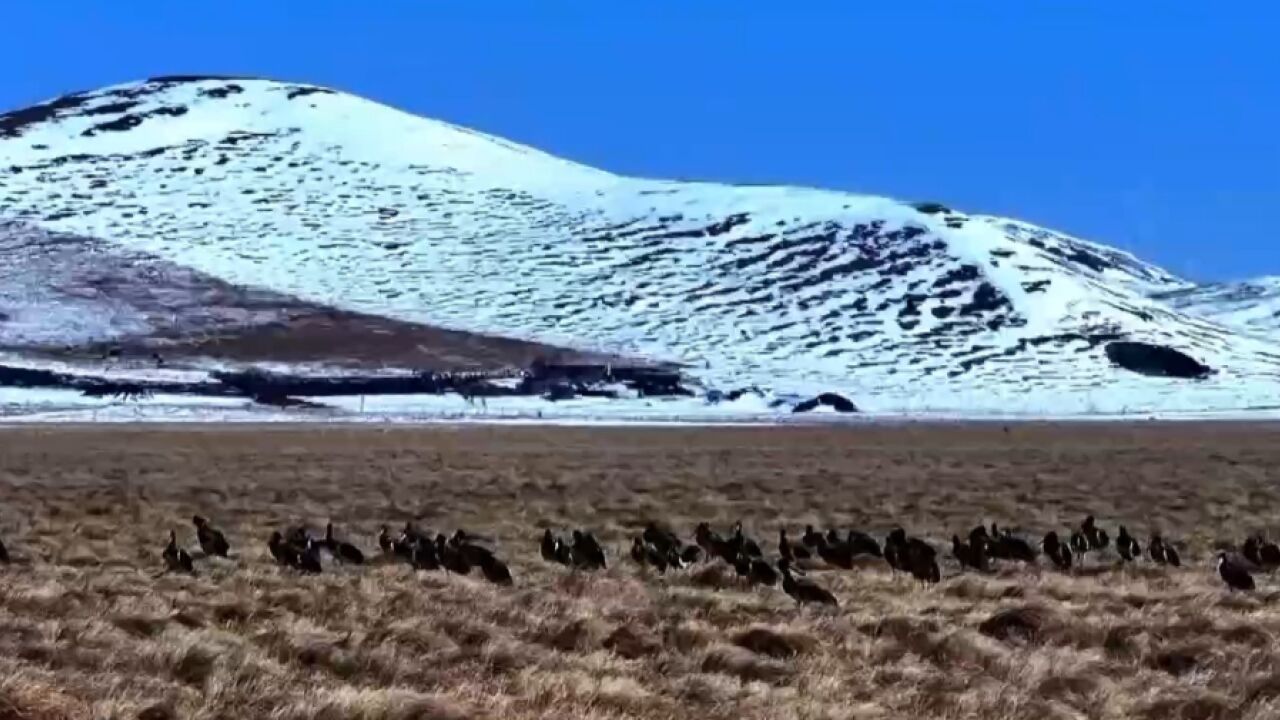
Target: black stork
point(803, 590)
point(177, 559)
point(341, 549)
point(1235, 575)
point(211, 540)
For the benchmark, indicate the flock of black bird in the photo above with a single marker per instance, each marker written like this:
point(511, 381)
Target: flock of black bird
point(456, 554)
point(296, 548)
point(661, 549)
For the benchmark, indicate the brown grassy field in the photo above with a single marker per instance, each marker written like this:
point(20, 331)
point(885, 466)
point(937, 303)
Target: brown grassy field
point(90, 628)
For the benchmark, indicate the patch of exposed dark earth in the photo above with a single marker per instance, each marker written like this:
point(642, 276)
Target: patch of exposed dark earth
point(90, 305)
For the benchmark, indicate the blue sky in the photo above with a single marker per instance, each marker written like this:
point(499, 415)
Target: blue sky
point(1148, 125)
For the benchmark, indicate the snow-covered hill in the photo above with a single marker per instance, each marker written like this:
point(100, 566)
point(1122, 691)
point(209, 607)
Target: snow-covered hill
point(335, 200)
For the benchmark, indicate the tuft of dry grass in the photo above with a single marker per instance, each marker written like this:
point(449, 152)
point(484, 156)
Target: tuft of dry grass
point(775, 642)
point(1020, 625)
point(90, 627)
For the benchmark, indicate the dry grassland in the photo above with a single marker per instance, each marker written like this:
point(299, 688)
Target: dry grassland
point(89, 628)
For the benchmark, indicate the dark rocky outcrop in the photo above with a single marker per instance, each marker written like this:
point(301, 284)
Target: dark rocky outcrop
point(29, 378)
point(560, 391)
point(92, 386)
point(931, 208)
point(545, 377)
point(282, 389)
point(839, 403)
point(259, 384)
point(719, 396)
point(1156, 360)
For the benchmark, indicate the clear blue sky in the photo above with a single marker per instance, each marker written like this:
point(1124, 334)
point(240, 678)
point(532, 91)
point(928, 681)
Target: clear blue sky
point(1148, 125)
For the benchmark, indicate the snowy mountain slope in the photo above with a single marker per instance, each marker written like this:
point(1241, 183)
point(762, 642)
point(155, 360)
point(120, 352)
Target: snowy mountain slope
point(1251, 305)
point(339, 201)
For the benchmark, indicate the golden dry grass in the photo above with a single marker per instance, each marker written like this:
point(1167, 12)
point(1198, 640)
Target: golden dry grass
point(88, 628)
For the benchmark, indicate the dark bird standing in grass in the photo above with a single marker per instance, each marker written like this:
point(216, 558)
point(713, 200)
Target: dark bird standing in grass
point(177, 559)
point(385, 541)
point(309, 558)
point(476, 555)
point(548, 545)
point(1235, 575)
point(713, 544)
point(1127, 546)
point(662, 539)
point(971, 555)
point(646, 554)
point(739, 543)
point(1007, 546)
point(789, 551)
point(1058, 552)
point(674, 560)
point(341, 549)
point(1162, 552)
point(1155, 549)
point(1051, 544)
point(1269, 553)
point(841, 553)
point(451, 558)
point(284, 552)
point(838, 555)
point(979, 536)
point(411, 535)
point(423, 556)
point(211, 540)
point(586, 552)
point(914, 556)
point(756, 571)
point(993, 542)
point(1079, 543)
point(495, 571)
point(923, 561)
point(762, 573)
point(744, 543)
point(404, 547)
point(894, 551)
point(554, 549)
point(1097, 537)
point(861, 543)
point(706, 538)
point(1261, 552)
point(811, 537)
point(803, 590)
point(1249, 549)
point(960, 551)
point(690, 555)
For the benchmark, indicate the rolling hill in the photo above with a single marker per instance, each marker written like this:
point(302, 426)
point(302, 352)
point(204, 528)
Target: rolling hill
point(283, 200)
